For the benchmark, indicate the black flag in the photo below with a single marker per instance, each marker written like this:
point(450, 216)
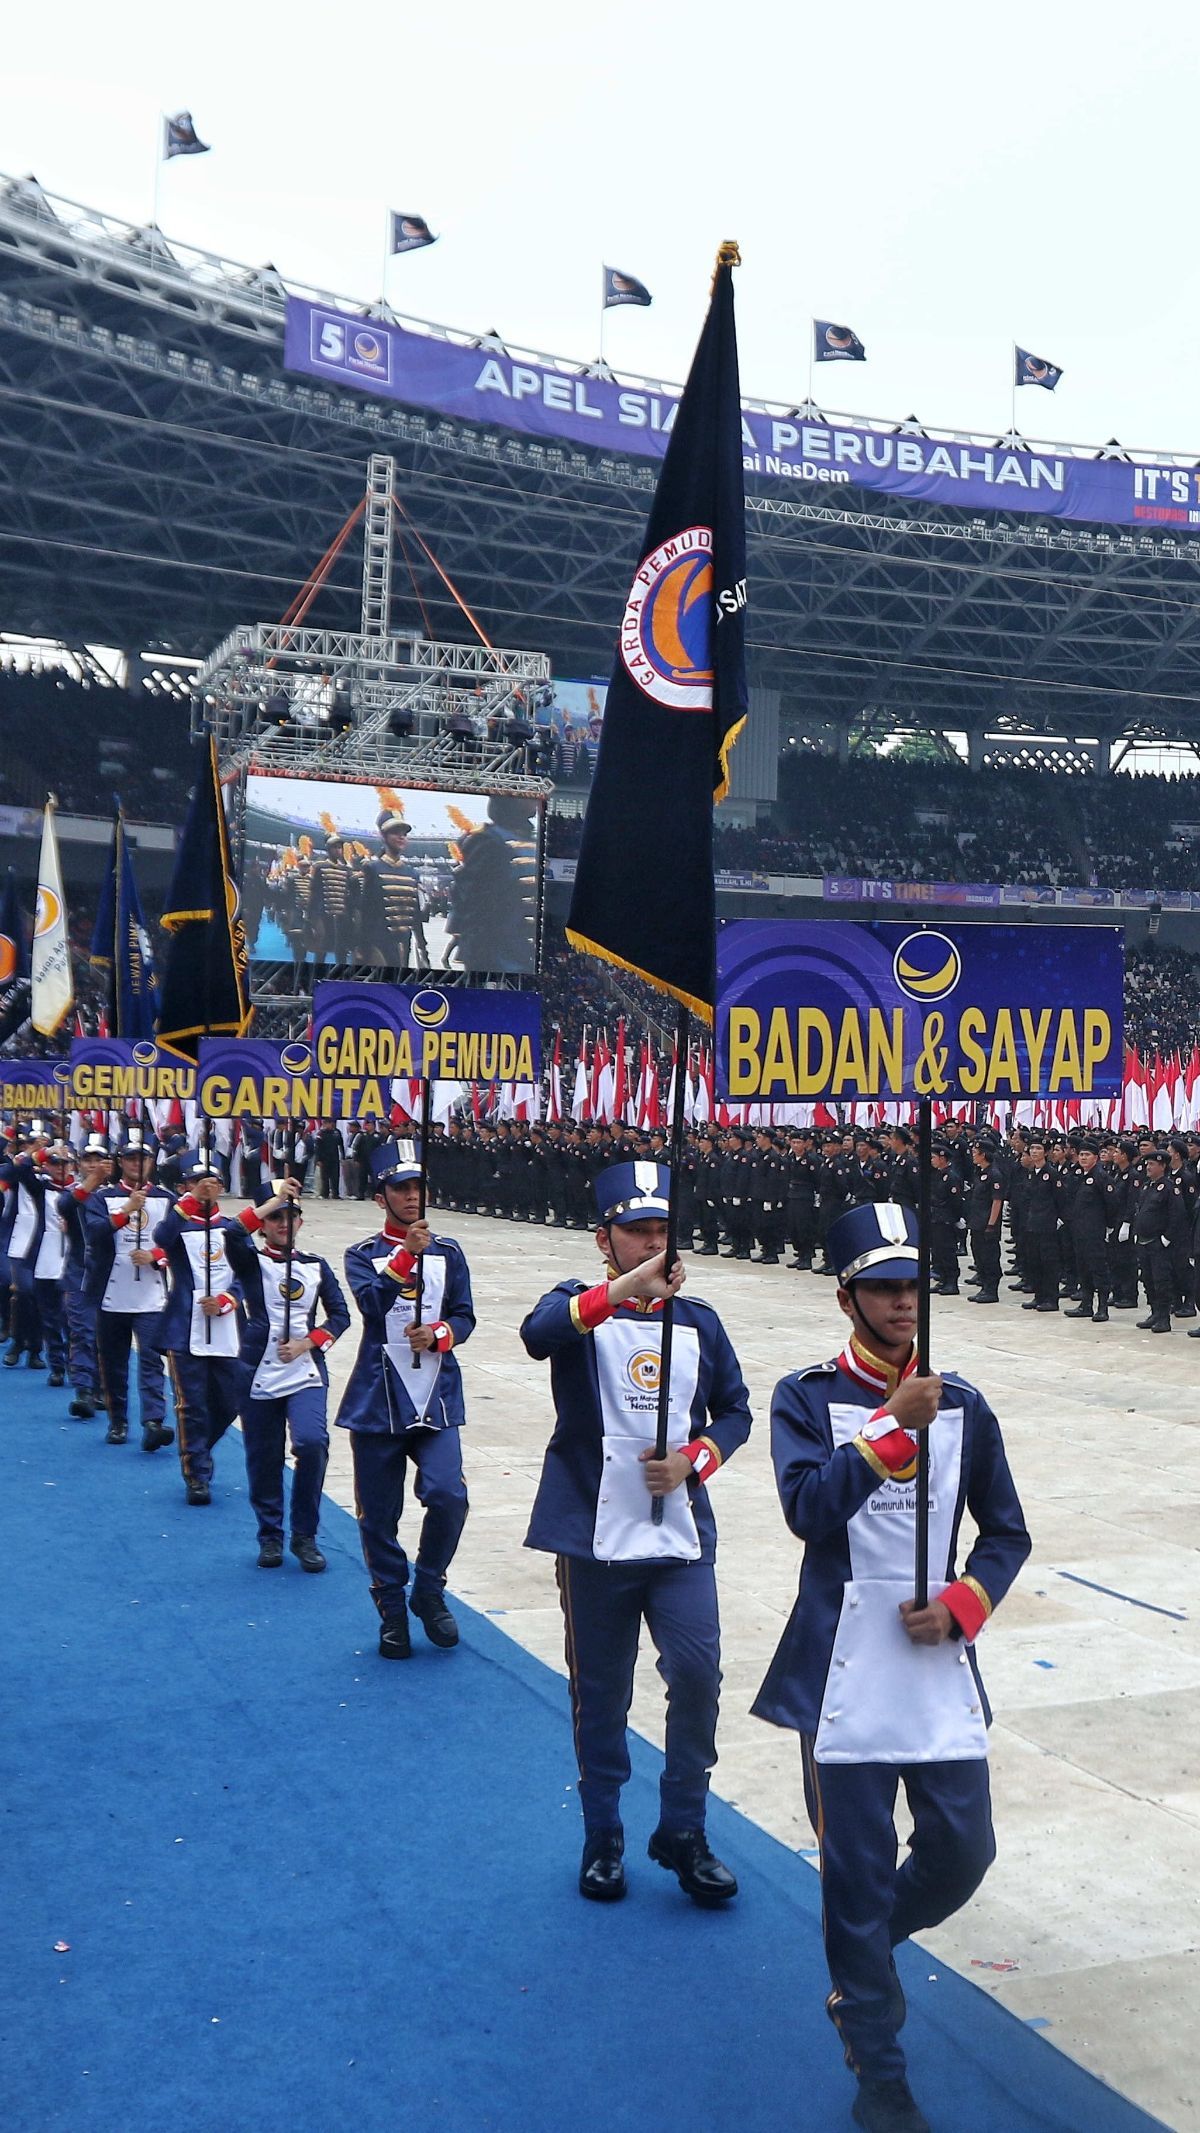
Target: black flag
point(644, 895)
point(204, 982)
point(14, 963)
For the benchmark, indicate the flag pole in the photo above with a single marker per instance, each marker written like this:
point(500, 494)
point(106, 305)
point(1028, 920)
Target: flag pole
point(422, 1188)
point(289, 1160)
point(924, 1199)
point(207, 1234)
point(1013, 392)
point(603, 314)
point(668, 1310)
point(137, 1239)
point(158, 163)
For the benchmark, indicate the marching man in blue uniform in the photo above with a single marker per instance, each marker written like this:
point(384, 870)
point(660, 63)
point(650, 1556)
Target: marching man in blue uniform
point(404, 1402)
point(95, 1170)
point(202, 1324)
point(880, 1691)
point(124, 1278)
point(283, 1356)
point(594, 1512)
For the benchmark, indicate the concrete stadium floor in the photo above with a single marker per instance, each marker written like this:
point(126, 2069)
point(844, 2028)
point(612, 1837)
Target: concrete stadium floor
point(1089, 1923)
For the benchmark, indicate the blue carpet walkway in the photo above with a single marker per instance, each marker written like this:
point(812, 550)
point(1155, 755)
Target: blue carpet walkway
point(303, 1888)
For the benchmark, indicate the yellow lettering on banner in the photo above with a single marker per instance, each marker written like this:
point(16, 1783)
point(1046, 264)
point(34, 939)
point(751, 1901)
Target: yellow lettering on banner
point(745, 1029)
point(430, 1048)
point(1066, 1068)
point(246, 1102)
point(850, 1064)
point(1004, 1067)
point(276, 1095)
point(778, 1059)
point(810, 1024)
point(403, 1062)
point(1097, 1037)
point(215, 1096)
point(370, 1102)
point(972, 1024)
point(326, 1050)
point(306, 1099)
point(1035, 1035)
point(82, 1084)
point(365, 1052)
point(886, 1054)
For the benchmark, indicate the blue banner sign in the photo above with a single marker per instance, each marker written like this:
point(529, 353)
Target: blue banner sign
point(460, 1034)
point(35, 1084)
point(486, 384)
point(107, 1072)
point(251, 1077)
point(832, 1009)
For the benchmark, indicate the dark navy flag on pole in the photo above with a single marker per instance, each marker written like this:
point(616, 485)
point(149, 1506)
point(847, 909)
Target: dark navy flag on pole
point(121, 945)
point(180, 137)
point(14, 963)
point(644, 895)
point(836, 344)
point(204, 982)
point(1034, 370)
point(624, 289)
point(408, 233)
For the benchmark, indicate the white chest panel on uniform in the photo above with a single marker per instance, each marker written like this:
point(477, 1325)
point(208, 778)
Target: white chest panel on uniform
point(886, 1699)
point(628, 1356)
point(274, 1379)
point(53, 1248)
point(25, 1223)
point(132, 1288)
point(417, 1383)
point(209, 1252)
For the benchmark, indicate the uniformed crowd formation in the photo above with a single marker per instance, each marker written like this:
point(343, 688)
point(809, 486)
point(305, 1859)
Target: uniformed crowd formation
point(1096, 1223)
point(111, 1249)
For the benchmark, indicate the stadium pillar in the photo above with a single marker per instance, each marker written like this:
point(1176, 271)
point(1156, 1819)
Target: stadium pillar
point(975, 748)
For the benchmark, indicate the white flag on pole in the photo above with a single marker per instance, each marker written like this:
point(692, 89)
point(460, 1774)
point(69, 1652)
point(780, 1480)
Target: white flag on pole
point(50, 963)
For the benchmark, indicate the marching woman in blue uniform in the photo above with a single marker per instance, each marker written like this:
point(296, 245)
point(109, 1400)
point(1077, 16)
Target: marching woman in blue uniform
point(124, 1278)
point(288, 1390)
point(404, 1402)
point(202, 1324)
point(95, 1170)
point(880, 1691)
point(616, 1568)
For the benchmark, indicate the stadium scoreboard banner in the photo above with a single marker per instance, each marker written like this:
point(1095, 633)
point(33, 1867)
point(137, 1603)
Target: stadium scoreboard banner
point(835, 1010)
point(107, 1072)
point(456, 885)
point(485, 384)
point(459, 1034)
point(31, 1084)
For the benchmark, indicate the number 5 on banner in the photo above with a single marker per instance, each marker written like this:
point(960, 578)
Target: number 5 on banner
point(331, 344)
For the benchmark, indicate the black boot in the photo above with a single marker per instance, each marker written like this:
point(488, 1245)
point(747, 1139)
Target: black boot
point(270, 1553)
point(686, 1854)
point(154, 1436)
point(888, 2107)
point(602, 1868)
point(394, 1640)
point(431, 1611)
point(306, 1552)
point(116, 1433)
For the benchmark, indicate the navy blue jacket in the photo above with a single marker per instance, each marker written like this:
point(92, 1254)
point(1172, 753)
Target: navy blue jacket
point(376, 1398)
point(564, 1511)
point(252, 1266)
point(821, 1489)
point(176, 1324)
point(101, 1241)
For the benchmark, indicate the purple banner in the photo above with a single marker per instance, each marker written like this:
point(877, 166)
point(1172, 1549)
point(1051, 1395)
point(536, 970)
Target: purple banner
point(34, 1084)
point(830, 1009)
point(459, 1034)
point(850, 889)
point(486, 384)
point(107, 1072)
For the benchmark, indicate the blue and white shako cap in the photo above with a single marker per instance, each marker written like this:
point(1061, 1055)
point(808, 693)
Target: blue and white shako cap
point(632, 1192)
point(394, 1163)
point(877, 1242)
point(200, 1164)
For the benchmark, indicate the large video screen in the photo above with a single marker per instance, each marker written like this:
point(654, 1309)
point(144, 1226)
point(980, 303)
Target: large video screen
point(394, 877)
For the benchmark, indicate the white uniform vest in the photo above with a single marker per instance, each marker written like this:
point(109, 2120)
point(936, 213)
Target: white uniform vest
point(418, 1383)
point(52, 1250)
point(628, 1356)
point(124, 1291)
point(886, 1699)
point(274, 1379)
point(225, 1338)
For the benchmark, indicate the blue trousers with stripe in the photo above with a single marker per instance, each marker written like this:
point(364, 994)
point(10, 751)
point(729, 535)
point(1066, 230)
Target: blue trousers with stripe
point(115, 1333)
point(604, 1606)
point(82, 1368)
point(380, 1466)
point(208, 1395)
point(265, 1425)
point(869, 1905)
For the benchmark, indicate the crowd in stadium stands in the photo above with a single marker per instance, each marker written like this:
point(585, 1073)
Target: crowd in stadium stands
point(1162, 1000)
point(84, 742)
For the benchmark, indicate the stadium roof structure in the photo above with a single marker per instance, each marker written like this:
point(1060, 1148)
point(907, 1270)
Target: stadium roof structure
point(163, 481)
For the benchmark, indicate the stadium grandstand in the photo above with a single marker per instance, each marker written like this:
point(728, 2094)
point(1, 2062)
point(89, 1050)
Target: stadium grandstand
point(948, 699)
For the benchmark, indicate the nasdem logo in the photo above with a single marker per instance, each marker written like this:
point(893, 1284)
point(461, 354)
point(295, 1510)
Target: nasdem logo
point(927, 966)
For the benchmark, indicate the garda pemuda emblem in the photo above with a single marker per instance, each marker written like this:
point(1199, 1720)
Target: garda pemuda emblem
point(666, 635)
point(291, 1291)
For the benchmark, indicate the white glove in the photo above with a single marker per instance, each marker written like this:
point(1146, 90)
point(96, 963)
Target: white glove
point(1123, 1233)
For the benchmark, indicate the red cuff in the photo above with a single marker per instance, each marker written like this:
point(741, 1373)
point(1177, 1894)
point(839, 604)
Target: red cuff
point(704, 1458)
point(250, 1219)
point(160, 1257)
point(227, 1302)
point(443, 1338)
point(120, 1218)
point(80, 1192)
point(897, 1450)
point(592, 1308)
point(964, 1603)
point(321, 1337)
point(401, 1264)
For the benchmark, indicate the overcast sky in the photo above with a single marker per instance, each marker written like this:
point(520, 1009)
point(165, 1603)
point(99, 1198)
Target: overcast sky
point(943, 178)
